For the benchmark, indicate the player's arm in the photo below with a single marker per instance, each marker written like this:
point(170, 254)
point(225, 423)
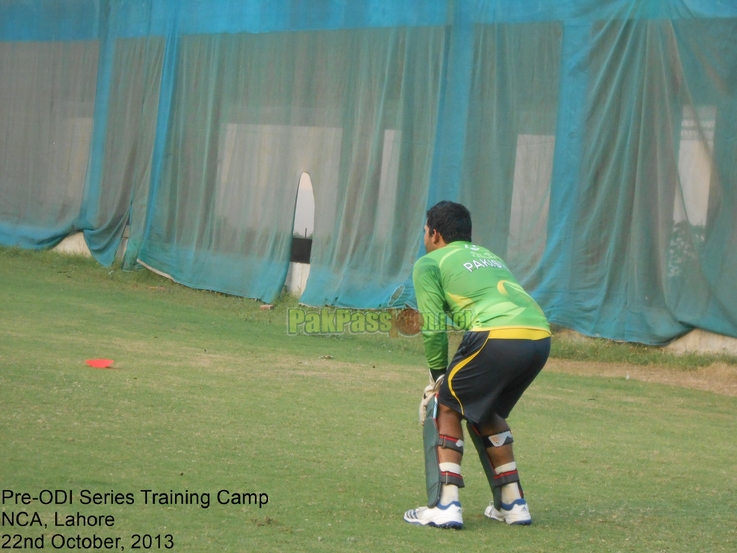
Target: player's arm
point(431, 305)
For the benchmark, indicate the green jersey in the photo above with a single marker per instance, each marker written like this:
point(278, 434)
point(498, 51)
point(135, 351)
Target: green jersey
point(474, 288)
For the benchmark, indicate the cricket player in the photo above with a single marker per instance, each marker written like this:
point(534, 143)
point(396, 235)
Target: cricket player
point(506, 345)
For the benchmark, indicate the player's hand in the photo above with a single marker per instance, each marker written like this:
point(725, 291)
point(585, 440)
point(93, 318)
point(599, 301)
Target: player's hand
point(427, 394)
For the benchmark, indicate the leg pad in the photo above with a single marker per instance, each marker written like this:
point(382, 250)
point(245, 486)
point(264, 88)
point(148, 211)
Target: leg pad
point(478, 442)
point(434, 477)
point(496, 481)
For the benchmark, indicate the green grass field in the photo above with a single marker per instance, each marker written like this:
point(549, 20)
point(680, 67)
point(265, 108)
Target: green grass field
point(208, 393)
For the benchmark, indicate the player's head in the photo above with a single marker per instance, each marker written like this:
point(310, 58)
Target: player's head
point(451, 220)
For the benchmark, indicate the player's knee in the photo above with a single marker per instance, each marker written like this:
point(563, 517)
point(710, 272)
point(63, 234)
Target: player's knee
point(448, 414)
point(449, 410)
point(495, 425)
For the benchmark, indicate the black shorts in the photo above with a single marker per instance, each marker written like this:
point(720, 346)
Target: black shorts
point(489, 375)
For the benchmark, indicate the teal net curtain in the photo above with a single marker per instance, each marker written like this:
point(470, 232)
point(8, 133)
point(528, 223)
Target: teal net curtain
point(251, 112)
point(79, 82)
point(595, 143)
point(122, 198)
point(47, 106)
point(368, 228)
point(510, 139)
point(642, 245)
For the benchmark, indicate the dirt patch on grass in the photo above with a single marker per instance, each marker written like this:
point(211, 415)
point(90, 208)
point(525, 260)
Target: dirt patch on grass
point(719, 378)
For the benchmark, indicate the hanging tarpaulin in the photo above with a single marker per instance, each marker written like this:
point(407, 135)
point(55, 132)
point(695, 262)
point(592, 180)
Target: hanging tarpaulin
point(592, 140)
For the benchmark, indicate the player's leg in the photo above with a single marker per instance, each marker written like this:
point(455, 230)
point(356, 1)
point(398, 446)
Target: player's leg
point(449, 459)
point(443, 438)
point(509, 504)
point(520, 361)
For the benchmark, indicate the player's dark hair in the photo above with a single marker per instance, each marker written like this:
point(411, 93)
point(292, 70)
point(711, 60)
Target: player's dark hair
point(451, 220)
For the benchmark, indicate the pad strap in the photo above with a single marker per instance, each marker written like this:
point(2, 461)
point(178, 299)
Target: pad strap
point(498, 440)
point(449, 442)
point(447, 477)
point(506, 478)
point(501, 480)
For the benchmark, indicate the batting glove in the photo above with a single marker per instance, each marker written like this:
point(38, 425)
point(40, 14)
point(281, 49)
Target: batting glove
point(427, 394)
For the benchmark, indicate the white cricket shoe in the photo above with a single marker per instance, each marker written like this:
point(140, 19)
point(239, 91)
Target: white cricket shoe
point(440, 516)
point(514, 513)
